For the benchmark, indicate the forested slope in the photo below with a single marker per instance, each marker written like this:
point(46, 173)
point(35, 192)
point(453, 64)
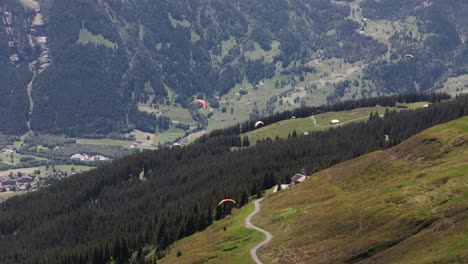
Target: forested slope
point(149, 200)
point(91, 62)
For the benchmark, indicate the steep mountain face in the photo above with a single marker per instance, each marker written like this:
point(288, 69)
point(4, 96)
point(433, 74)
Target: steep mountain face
point(82, 66)
point(14, 72)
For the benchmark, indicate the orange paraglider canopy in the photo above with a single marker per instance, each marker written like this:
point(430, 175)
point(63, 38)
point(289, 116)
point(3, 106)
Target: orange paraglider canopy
point(226, 200)
point(200, 101)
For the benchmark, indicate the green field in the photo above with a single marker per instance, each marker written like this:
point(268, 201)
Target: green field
point(179, 114)
point(283, 128)
point(16, 158)
point(259, 53)
point(175, 22)
point(63, 168)
point(105, 142)
point(87, 37)
point(415, 105)
point(227, 45)
point(168, 136)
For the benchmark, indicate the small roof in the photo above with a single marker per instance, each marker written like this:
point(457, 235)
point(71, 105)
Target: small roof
point(77, 156)
point(25, 179)
point(298, 177)
point(334, 121)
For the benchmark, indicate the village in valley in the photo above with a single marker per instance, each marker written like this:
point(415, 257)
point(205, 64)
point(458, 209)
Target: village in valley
point(20, 182)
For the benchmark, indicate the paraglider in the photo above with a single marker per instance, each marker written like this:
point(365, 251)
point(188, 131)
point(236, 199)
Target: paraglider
point(205, 104)
point(259, 123)
point(226, 200)
point(409, 56)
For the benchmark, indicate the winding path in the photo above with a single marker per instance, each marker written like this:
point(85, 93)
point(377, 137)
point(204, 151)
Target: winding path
point(248, 224)
point(315, 121)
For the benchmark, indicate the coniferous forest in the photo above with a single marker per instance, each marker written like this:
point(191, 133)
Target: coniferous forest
point(85, 69)
point(151, 199)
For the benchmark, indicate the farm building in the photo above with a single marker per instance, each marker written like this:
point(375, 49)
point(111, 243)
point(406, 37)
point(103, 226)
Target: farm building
point(8, 183)
point(25, 179)
point(298, 178)
point(78, 157)
point(335, 121)
point(283, 187)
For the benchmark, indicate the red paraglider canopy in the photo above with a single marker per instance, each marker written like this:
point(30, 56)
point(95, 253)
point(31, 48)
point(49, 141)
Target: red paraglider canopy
point(226, 200)
point(200, 101)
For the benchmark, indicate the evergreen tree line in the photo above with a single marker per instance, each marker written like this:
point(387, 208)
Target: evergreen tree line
point(339, 106)
point(152, 199)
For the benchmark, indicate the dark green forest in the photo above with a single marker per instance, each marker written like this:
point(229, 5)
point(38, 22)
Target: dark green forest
point(157, 197)
point(93, 89)
point(439, 55)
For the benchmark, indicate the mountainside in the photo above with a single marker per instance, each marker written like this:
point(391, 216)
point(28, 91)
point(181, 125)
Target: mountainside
point(138, 206)
point(407, 204)
point(91, 67)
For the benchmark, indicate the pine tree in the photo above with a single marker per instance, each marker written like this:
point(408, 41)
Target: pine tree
point(246, 142)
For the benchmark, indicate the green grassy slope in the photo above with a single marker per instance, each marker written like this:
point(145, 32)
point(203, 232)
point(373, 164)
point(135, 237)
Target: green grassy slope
point(283, 128)
point(214, 245)
point(408, 204)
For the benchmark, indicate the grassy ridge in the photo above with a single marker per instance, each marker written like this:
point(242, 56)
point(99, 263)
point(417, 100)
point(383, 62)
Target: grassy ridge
point(283, 128)
point(408, 204)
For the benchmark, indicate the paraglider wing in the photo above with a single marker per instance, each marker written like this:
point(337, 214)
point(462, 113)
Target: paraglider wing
point(205, 104)
point(259, 123)
point(226, 200)
point(409, 56)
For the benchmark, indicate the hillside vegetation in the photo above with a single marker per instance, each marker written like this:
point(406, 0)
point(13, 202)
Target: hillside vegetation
point(90, 68)
point(145, 202)
point(407, 204)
